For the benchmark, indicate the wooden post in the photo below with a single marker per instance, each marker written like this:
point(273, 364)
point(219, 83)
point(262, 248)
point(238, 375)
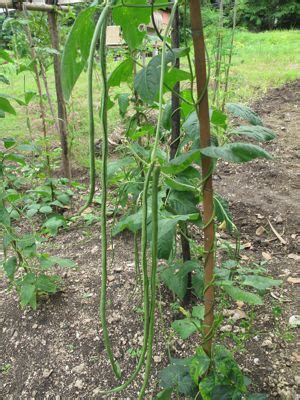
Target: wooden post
point(208, 205)
point(61, 105)
point(175, 141)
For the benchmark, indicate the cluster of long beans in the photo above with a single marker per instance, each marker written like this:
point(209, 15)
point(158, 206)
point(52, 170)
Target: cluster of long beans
point(152, 175)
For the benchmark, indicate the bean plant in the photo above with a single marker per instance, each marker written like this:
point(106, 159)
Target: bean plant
point(159, 195)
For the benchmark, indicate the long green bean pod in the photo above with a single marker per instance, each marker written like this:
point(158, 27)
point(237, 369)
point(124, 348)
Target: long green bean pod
point(103, 117)
point(154, 254)
point(92, 168)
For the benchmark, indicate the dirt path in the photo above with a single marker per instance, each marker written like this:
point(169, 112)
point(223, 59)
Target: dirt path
point(57, 351)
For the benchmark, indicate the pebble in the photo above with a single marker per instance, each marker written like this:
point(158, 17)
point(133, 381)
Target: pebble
point(79, 384)
point(256, 361)
point(294, 321)
point(79, 368)
point(47, 373)
point(297, 380)
point(267, 343)
point(226, 328)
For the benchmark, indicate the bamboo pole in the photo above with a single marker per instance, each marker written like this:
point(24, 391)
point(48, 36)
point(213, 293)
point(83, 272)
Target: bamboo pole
point(205, 138)
point(18, 5)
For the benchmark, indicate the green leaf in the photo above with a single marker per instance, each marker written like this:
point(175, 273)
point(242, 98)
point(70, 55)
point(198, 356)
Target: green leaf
point(130, 20)
point(256, 132)
point(198, 312)
point(115, 166)
point(123, 100)
point(177, 376)
point(241, 295)
point(28, 295)
point(147, 80)
point(236, 152)
point(222, 212)
point(64, 262)
point(29, 95)
point(9, 142)
point(198, 283)
point(191, 126)
point(184, 328)
point(54, 223)
point(181, 162)
point(27, 245)
point(46, 209)
point(18, 158)
point(183, 202)
point(5, 56)
point(224, 392)
point(167, 116)
point(165, 394)
point(122, 73)
point(10, 267)
point(47, 284)
point(199, 365)
point(176, 75)
point(260, 282)
point(243, 112)
point(76, 49)
point(5, 106)
point(166, 233)
point(175, 281)
point(218, 118)
point(206, 387)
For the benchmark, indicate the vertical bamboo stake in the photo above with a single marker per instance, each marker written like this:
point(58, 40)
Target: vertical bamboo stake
point(208, 205)
point(175, 141)
point(61, 105)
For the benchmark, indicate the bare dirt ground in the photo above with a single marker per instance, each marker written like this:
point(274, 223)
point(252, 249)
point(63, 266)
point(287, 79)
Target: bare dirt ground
point(57, 351)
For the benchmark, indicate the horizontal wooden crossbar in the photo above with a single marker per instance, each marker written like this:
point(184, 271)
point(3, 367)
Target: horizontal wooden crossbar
point(37, 6)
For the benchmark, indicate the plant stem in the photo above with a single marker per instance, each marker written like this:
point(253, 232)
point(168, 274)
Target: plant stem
point(206, 163)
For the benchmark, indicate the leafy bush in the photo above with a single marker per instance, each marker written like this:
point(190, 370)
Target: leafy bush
point(269, 14)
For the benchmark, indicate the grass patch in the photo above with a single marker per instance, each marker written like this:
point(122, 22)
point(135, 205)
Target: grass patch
point(260, 61)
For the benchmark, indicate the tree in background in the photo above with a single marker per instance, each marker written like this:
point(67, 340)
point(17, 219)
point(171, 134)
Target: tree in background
point(269, 14)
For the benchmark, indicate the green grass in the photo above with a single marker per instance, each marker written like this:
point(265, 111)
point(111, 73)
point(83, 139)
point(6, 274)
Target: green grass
point(260, 61)
point(264, 60)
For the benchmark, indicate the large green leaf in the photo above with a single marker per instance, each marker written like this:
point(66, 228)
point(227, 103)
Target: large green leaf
point(183, 202)
point(222, 212)
point(166, 233)
point(5, 106)
point(10, 267)
point(76, 49)
point(122, 73)
point(243, 112)
point(175, 277)
point(260, 282)
point(175, 75)
point(199, 365)
point(130, 19)
point(184, 328)
point(181, 162)
point(28, 295)
point(177, 376)
point(256, 132)
point(147, 80)
point(241, 295)
point(47, 284)
point(236, 152)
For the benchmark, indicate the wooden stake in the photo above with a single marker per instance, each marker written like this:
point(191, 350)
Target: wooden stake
point(208, 205)
point(61, 105)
